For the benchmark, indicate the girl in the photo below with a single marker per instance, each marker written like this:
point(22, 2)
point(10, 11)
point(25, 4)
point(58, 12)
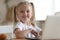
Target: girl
point(25, 21)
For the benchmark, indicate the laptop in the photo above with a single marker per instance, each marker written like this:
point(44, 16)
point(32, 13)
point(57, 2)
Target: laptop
point(52, 28)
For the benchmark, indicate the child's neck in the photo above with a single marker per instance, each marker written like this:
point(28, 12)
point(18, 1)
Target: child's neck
point(26, 22)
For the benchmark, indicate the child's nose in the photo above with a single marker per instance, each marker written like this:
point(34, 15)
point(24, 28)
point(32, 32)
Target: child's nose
point(25, 13)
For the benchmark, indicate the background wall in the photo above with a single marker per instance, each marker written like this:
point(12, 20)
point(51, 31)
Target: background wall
point(3, 10)
point(6, 14)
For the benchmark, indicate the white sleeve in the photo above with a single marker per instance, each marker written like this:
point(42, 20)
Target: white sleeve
point(18, 26)
point(38, 28)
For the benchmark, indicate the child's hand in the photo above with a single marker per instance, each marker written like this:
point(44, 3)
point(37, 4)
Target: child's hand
point(40, 33)
point(35, 33)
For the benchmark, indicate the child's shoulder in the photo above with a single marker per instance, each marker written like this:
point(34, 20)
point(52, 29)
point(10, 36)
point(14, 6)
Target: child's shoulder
point(19, 24)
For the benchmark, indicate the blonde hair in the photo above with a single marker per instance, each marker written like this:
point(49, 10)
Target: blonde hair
point(32, 20)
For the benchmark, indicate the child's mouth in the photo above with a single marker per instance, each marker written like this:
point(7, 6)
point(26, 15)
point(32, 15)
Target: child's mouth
point(24, 17)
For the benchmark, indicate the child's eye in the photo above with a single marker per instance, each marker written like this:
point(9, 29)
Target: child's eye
point(28, 11)
point(21, 11)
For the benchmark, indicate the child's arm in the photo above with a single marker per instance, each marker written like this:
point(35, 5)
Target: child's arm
point(21, 34)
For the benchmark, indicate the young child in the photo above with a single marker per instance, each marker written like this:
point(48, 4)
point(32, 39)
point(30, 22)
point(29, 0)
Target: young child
point(25, 21)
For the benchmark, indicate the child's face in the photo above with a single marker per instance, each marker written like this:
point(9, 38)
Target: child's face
point(24, 12)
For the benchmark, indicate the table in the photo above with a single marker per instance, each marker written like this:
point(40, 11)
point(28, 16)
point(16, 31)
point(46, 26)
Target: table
point(19, 39)
point(25, 39)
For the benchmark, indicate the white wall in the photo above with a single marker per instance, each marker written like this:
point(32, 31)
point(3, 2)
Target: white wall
point(6, 29)
point(56, 5)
